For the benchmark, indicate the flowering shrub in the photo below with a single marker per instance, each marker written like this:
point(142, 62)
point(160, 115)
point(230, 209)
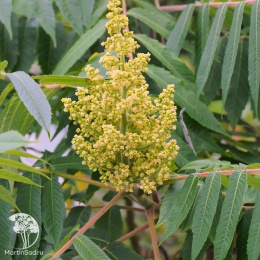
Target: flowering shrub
point(123, 133)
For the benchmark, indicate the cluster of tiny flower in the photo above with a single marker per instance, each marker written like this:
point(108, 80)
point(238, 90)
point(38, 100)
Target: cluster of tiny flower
point(123, 133)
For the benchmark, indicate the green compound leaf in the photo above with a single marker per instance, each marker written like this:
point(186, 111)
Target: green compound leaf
point(88, 250)
point(242, 234)
point(254, 53)
point(27, 42)
point(186, 98)
point(71, 10)
point(5, 15)
point(202, 32)
point(180, 30)
point(181, 206)
point(78, 216)
point(168, 200)
point(111, 223)
point(6, 196)
point(154, 18)
point(9, 47)
point(87, 7)
point(239, 88)
point(53, 211)
point(19, 165)
point(12, 140)
point(167, 58)
point(204, 212)
point(117, 251)
point(231, 51)
point(253, 249)
point(5, 225)
point(33, 98)
point(29, 201)
point(80, 47)
point(210, 49)
point(44, 13)
point(7, 175)
point(48, 54)
point(230, 213)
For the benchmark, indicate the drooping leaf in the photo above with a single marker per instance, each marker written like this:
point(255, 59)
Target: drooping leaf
point(204, 212)
point(5, 225)
point(117, 251)
point(242, 235)
point(44, 13)
point(27, 43)
point(33, 98)
point(8, 46)
point(8, 175)
point(87, 7)
point(231, 51)
point(7, 197)
point(80, 47)
point(19, 153)
point(100, 8)
point(167, 201)
point(87, 249)
point(201, 32)
point(181, 206)
point(213, 84)
point(186, 98)
point(22, 7)
point(48, 54)
point(15, 116)
point(71, 10)
point(210, 48)
point(12, 140)
point(238, 94)
point(230, 214)
point(78, 216)
point(253, 249)
point(5, 15)
point(111, 223)
point(167, 58)
point(53, 211)
point(254, 53)
point(215, 222)
point(153, 18)
point(19, 165)
point(29, 201)
point(180, 30)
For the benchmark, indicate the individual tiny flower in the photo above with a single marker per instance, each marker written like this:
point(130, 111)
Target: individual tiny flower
point(122, 132)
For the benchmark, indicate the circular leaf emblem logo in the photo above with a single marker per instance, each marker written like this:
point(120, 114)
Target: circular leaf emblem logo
point(27, 229)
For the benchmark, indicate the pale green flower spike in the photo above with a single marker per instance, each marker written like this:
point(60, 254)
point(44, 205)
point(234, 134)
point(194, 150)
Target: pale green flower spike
point(123, 133)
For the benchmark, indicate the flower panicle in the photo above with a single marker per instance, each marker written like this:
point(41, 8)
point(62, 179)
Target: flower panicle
point(122, 132)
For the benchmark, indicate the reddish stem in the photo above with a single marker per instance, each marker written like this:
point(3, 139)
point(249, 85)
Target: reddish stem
point(205, 174)
point(150, 217)
point(170, 8)
point(89, 224)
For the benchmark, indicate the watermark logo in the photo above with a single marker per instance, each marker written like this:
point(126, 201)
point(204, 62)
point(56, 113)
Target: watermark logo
point(27, 228)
